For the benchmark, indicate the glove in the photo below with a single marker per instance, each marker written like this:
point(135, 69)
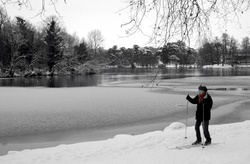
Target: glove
point(187, 97)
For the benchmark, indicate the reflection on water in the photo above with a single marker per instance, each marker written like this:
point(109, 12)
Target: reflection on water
point(119, 74)
point(56, 81)
point(227, 72)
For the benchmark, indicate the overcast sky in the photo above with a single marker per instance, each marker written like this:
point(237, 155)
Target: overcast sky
point(83, 16)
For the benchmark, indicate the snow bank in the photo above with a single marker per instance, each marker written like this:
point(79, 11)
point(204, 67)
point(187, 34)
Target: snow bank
point(231, 146)
point(175, 125)
point(218, 66)
point(227, 66)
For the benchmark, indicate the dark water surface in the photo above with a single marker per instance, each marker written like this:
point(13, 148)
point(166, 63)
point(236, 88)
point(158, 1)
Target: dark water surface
point(119, 74)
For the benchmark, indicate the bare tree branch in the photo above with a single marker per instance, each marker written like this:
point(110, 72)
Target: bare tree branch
point(180, 19)
point(28, 4)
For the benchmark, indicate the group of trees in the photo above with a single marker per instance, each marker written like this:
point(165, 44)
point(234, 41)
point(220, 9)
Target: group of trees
point(177, 52)
point(132, 57)
point(226, 50)
point(25, 48)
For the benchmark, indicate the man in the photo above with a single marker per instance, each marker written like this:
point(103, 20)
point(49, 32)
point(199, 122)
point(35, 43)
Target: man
point(203, 113)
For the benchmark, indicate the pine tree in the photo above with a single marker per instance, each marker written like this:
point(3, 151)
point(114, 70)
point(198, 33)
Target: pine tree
point(54, 48)
point(82, 53)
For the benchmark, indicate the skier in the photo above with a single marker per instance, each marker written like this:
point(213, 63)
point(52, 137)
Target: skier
point(204, 103)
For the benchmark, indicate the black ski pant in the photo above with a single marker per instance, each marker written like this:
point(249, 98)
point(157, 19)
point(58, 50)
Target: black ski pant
point(205, 130)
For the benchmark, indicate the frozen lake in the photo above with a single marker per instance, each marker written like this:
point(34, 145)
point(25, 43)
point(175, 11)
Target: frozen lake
point(37, 117)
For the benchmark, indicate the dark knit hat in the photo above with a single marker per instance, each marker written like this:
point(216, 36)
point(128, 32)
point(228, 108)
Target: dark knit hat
point(203, 88)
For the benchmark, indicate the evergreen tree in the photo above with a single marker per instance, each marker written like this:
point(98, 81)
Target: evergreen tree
point(169, 50)
point(54, 47)
point(206, 53)
point(113, 55)
point(81, 51)
point(4, 41)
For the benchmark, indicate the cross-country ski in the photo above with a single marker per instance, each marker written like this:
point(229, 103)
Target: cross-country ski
point(189, 146)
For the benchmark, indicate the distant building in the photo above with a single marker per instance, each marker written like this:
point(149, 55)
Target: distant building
point(237, 59)
point(243, 59)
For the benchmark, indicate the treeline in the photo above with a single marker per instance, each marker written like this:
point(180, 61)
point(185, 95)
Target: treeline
point(175, 52)
point(224, 50)
point(132, 57)
point(27, 50)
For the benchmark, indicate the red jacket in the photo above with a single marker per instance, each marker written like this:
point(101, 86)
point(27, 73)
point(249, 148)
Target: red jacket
point(207, 104)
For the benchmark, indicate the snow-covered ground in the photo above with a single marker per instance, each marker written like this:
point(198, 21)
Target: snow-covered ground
point(231, 104)
point(215, 66)
point(230, 146)
point(218, 66)
point(226, 66)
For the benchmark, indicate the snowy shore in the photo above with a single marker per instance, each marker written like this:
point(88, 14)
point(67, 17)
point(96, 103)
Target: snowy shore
point(231, 146)
point(231, 141)
point(226, 66)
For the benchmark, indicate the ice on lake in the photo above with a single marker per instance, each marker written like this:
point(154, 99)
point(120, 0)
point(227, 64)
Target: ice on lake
point(51, 116)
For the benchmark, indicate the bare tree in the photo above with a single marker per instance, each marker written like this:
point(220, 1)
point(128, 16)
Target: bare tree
point(233, 50)
point(225, 46)
point(95, 40)
point(28, 4)
point(15, 42)
point(218, 49)
point(245, 48)
point(180, 18)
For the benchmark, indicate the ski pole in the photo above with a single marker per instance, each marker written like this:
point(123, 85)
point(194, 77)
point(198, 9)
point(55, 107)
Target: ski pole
point(203, 124)
point(186, 122)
